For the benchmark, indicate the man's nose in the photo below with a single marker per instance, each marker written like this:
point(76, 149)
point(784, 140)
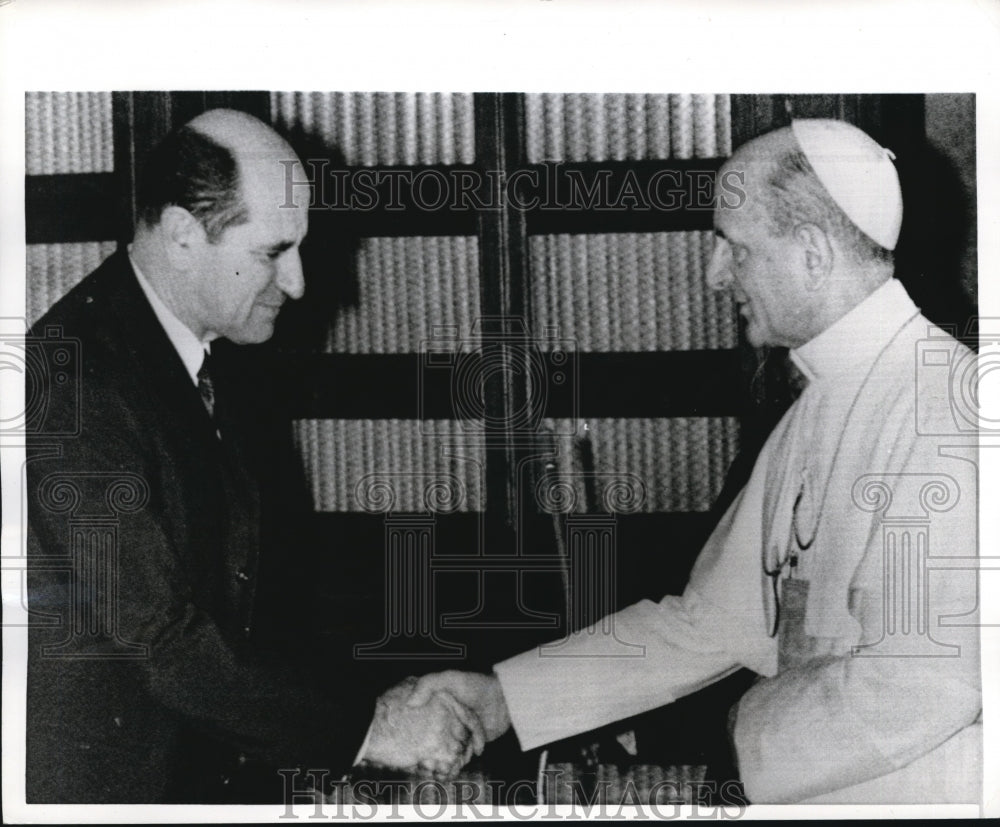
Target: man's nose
point(290, 278)
point(719, 274)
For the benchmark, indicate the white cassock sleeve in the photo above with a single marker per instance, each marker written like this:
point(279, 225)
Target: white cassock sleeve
point(650, 654)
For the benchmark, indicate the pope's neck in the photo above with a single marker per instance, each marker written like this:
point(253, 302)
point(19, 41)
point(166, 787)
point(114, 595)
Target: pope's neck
point(848, 291)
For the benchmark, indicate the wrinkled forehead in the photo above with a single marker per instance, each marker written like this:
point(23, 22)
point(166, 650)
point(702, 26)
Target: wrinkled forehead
point(739, 188)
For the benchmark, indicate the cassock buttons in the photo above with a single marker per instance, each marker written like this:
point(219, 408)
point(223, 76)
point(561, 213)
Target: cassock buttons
point(242, 576)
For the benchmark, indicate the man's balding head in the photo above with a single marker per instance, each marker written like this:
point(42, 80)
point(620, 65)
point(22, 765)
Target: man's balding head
point(241, 133)
point(219, 230)
point(205, 165)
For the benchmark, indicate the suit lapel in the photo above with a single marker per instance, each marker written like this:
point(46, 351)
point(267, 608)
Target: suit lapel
point(156, 363)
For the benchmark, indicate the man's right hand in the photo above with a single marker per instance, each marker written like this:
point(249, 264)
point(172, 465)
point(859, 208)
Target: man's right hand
point(480, 693)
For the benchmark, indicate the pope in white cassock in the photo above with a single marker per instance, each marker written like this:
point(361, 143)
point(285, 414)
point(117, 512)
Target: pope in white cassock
point(844, 572)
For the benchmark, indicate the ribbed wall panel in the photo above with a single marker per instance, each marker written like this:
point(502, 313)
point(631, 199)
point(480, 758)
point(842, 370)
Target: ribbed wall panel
point(381, 128)
point(682, 462)
point(55, 268)
point(407, 287)
point(409, 456)
point(619, 127)
point(68, 132)
point(630, 292)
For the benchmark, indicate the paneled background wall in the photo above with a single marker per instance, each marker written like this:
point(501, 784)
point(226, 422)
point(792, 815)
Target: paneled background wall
point(617, 127)
point(383, 129)
point(603, 292)
point(65, 133)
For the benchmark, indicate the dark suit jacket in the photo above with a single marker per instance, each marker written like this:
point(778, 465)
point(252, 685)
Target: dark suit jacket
point(145, 553)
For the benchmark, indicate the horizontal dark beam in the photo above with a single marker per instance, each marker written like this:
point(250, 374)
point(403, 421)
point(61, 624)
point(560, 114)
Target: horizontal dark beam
point(395, 200)
point(663, 384)
point(412, 386)
point(70, 208)
point(648, 565)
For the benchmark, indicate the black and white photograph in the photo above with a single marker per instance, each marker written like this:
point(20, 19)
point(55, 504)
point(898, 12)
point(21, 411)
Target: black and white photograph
point(497, 453)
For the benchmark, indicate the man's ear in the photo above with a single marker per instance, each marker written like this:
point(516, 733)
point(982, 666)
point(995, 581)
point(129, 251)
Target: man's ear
point(818, 253)
point(183, 235)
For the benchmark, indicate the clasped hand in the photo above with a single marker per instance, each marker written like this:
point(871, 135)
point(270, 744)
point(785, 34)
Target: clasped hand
point(436, 724)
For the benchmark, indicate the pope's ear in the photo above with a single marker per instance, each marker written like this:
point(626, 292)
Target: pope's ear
point(817, 252)
point(182, 234)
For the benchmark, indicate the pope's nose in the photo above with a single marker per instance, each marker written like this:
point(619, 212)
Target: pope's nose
point(719, 273)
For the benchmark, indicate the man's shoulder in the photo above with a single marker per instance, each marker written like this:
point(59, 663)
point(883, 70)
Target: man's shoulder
point(84, 344)
point(89, 305)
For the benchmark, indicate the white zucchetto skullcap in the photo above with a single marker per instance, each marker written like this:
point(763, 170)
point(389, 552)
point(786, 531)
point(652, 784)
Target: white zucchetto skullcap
point(858, 174)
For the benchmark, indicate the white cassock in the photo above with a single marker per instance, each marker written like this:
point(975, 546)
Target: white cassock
point(860, 515)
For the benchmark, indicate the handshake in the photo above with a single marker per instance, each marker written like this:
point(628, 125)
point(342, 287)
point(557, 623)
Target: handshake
point(435, 724)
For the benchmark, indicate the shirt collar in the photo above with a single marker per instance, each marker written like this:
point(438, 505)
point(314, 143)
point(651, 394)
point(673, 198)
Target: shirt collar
point(191, 350)
point(857, 337)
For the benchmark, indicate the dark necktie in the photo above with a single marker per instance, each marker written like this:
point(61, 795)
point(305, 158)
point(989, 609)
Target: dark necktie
point(206, 387)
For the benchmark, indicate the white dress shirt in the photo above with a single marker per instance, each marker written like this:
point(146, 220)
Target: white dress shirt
point(191, 350)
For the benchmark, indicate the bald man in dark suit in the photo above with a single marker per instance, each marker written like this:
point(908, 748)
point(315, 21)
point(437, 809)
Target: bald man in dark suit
point(148, 681)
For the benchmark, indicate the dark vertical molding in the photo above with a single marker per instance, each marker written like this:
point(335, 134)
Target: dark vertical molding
point(257, 104)
point(123, 132)
point(502, 244)
point(753, 114)
point(141, 120)
point(186, 105)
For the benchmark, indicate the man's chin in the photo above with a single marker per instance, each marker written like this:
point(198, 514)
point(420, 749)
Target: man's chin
point(258, 334)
